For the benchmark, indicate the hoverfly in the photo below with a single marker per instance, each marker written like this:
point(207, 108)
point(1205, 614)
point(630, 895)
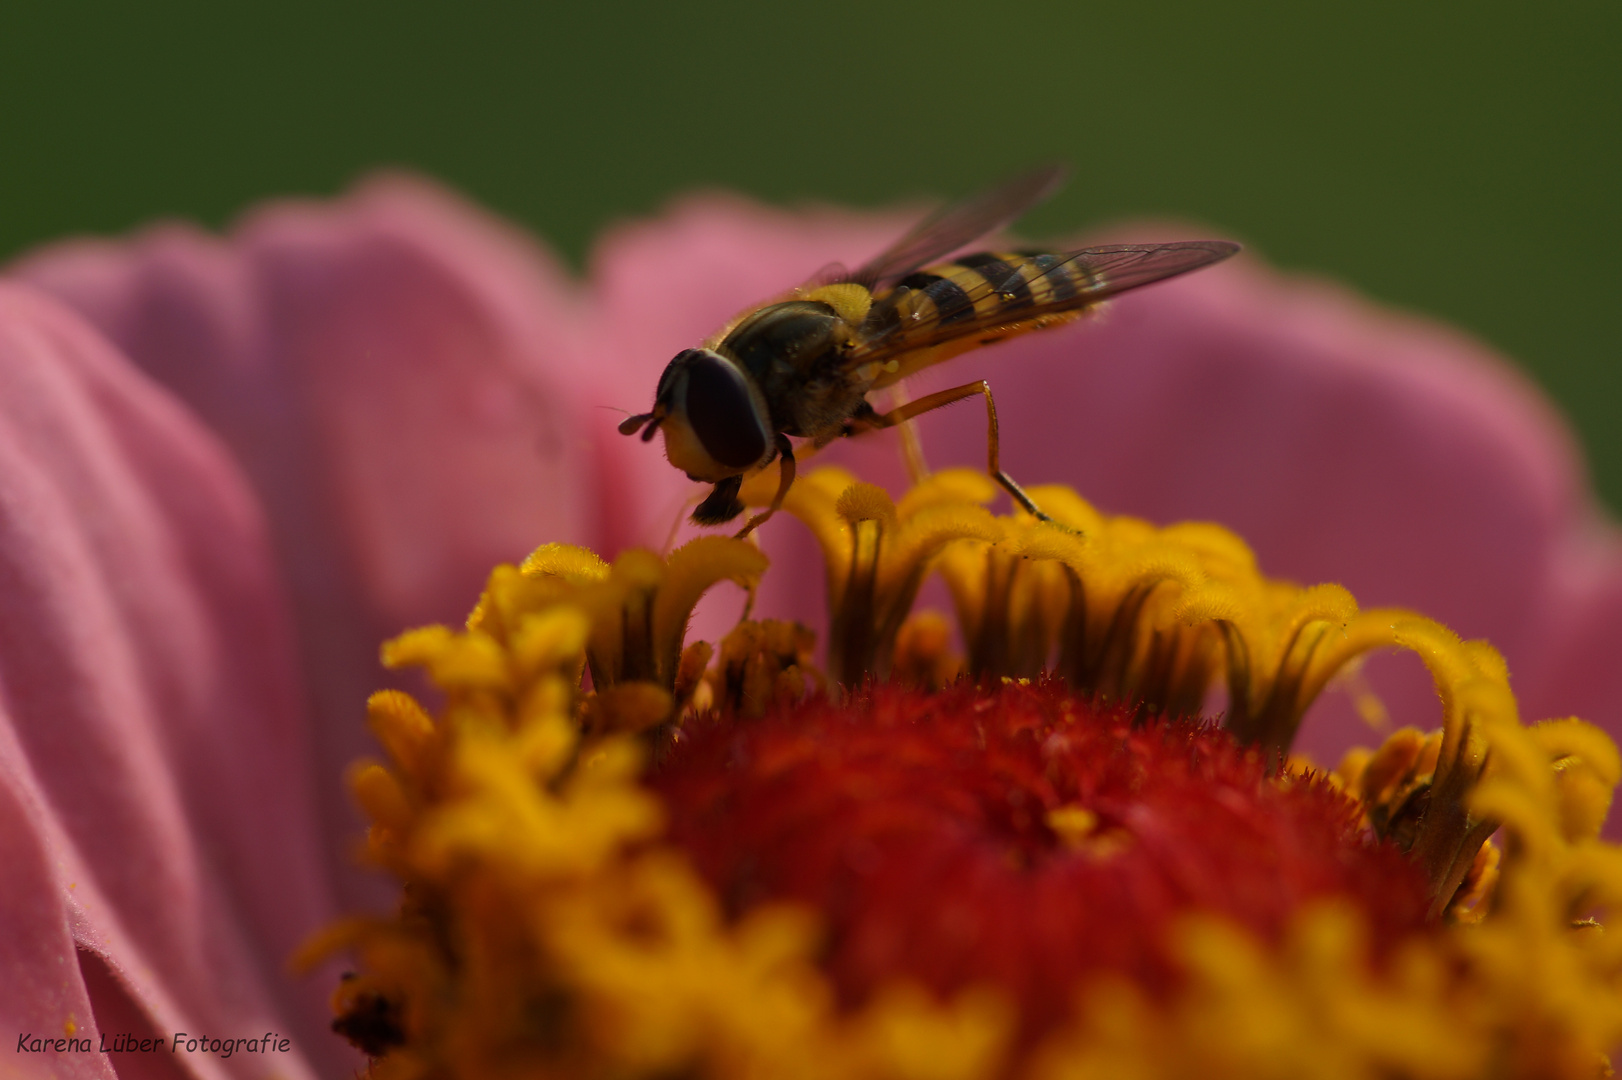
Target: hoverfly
point(804, 365)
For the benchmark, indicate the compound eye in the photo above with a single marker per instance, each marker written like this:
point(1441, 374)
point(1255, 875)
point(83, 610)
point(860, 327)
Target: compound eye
point(722, 412)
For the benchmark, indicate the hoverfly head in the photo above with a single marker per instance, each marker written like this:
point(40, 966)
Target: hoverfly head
point(713, 416)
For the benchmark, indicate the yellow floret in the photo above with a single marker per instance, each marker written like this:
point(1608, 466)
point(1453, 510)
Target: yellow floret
point(547, 930)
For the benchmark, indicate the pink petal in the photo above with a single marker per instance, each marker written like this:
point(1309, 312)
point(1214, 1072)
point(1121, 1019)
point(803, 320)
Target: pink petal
point(156, 802)
point(1345, 443)
point(394, 371)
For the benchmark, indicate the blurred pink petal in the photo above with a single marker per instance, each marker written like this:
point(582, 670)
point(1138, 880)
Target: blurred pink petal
point(416, 393)
point(1346, 443)
point(157, 821)
point(393, 371)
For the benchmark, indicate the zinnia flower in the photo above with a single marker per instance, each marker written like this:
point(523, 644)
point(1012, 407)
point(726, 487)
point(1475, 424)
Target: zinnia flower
point(348, 414)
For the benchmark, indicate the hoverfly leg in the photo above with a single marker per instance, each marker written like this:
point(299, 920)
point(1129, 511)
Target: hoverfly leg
point(863, 420)
point(866, 419)
point(940, 398)
point(912, 447)
point(785, 473)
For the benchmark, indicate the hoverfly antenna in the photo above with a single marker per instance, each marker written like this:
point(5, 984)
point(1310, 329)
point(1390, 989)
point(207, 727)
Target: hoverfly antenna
point(632, 424)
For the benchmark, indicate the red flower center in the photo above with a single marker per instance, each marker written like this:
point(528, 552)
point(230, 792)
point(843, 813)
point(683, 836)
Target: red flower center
point(1017, 836)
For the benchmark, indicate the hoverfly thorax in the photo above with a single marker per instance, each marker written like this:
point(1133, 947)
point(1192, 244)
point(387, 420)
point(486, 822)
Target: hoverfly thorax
point(713, 416)
point(795, 333)
point(795, 352)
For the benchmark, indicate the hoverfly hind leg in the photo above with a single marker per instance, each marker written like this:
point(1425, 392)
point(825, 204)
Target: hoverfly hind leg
point(940, 398)
point(721, 505)
point(864, 419)
point(1017, 493)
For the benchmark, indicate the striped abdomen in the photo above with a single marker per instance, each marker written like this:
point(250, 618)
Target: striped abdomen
point(948, 308)
point(992, 288)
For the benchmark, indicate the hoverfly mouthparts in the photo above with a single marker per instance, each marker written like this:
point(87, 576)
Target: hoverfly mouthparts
point(804, 367)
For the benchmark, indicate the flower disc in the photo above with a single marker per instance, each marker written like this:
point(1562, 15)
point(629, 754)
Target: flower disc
point(1016, 836)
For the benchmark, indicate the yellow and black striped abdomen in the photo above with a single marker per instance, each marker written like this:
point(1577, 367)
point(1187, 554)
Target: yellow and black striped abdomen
point(992, 288)
point(949, 308)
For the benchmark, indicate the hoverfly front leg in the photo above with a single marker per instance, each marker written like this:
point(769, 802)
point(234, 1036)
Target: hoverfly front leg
point(929, 402)
point(785, 473)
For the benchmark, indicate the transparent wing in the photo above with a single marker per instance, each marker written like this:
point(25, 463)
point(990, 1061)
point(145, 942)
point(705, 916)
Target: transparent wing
point(828, 275)
point(1005, 294)
point(959, 224)
point(1115, 268)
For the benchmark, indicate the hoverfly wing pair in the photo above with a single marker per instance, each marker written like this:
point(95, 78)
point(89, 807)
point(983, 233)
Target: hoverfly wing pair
point(960, 224)
point(802, 367)
point(986, 298)
point(921, 307)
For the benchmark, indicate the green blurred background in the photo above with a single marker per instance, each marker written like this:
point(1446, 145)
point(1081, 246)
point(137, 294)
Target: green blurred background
point(1459, 158)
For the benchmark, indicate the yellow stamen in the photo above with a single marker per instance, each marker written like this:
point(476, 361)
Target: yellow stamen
point(763, 664)
point(876, 554)
point(546, 930)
